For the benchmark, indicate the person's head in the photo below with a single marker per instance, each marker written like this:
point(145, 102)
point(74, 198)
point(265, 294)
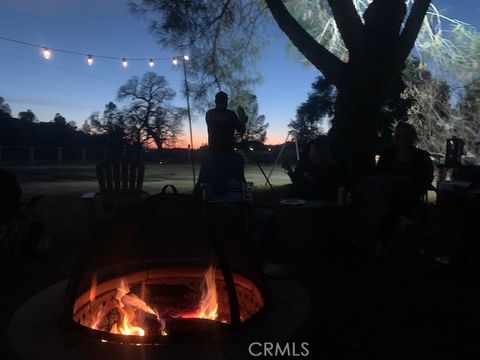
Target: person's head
point(404, 135)
point(221, 100)
point(319, 152)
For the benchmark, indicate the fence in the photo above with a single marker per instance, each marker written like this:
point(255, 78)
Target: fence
point(43, 155)
point(61, 155)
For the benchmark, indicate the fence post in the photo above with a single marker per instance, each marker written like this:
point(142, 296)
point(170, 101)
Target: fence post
point(59, 155)
point(84, 155)
point(32, 155)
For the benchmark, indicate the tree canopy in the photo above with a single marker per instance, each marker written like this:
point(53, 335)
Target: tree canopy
point(147, 116)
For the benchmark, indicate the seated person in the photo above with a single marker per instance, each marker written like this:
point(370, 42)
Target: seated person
point(411, 172)
point(412, 167)
point(316, 175)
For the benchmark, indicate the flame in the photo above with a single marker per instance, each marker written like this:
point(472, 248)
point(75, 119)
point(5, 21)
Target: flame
point(93, 289)
point(131, 309)
point(209, 301)
point(208, 305)
point(124, 326)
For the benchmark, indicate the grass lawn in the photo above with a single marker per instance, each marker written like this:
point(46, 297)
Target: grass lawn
point(81, 178)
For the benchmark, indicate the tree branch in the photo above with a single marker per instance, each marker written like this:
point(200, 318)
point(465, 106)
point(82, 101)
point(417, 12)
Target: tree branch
point(411, 29)
point(317, 54)
point(348, 22)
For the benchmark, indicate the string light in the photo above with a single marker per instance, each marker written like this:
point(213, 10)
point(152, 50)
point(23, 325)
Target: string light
point(47, 54)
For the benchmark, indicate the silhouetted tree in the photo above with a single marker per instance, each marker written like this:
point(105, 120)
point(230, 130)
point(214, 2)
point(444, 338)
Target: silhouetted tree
point(311, 113)
point(111, 124)
point(149, 112)
point(59, 120)
point(27, 116)
point(4, 107)
point(256, 127)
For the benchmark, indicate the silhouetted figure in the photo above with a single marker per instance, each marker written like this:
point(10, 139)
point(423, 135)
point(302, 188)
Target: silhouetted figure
point(223, 163)
point(10, 194)
point(411, 173)
point(222, 123)
point(316, 175)
point(412, 167)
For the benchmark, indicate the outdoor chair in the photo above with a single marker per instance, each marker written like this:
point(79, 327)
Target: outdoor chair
point(121, 185)
point(237, 191)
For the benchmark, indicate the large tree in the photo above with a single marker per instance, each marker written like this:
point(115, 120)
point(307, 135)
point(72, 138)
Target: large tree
point(149, 110)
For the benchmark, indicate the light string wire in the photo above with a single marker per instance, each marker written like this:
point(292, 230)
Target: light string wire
point(44, 47)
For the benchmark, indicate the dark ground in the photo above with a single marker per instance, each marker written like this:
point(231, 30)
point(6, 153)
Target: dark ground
point(399, 308)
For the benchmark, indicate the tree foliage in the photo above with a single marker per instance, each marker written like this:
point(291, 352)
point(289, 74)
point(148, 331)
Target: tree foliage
point(221, 37)
point(312, 113)
point(256, 127)
point(4, 108)
point(27, 116)
point(111, 124)
point(468, 120)
point(431, 111)
point(59, 120)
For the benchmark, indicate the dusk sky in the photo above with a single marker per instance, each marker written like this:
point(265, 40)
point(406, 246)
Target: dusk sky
point(66, 84)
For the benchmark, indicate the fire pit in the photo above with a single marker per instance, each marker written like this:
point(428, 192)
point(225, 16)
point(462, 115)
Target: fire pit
point(160, 277)
point(152, 270)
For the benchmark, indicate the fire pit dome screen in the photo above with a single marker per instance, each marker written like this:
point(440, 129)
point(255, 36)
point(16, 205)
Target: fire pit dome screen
point(163, 270)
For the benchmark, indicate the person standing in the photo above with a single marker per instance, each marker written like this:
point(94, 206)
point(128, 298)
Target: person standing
point(222, 123)
point(223, 163)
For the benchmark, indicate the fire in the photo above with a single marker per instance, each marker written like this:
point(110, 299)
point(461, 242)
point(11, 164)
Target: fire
point(127, 312)
point(93, 289)
point(208, 306)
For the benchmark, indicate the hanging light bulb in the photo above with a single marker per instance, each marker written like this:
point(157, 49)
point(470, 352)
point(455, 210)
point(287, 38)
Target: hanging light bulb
point(124, 62)
point(89, 60)
point(151, 63)
point(186, 57)
point(175, 61)
point(47, 54)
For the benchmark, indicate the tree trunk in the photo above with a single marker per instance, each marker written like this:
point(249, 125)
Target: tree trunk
point(353, 134)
